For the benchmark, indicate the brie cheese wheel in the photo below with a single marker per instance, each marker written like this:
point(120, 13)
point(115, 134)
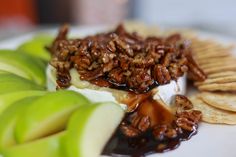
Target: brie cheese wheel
point(100, 94)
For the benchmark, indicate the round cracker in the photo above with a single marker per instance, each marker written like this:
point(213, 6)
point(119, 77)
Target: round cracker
point(225, 79)
point(209, 55)
point(219, 63)
point(231, 86)
point(220, 68)
point(213, 115)
point(222, 74)
point(215, 59)
point(223, 101)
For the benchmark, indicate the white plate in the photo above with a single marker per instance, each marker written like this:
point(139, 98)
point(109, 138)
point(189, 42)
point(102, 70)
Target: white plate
point(210, 141)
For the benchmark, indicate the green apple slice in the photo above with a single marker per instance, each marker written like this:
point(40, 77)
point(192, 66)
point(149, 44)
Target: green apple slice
point(9, 98)
point(35, 48)
point(3, 72)
point(12, 83)
point(8, 121)
point(90, 127)
point(45, 147)
point(23, 65)
point(47, 115)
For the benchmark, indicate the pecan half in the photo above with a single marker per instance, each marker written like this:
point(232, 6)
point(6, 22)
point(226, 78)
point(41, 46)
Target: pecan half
point(183, 102)
point(129, 130)
point(162, 132)
point(193, 115)
point(144, 123)
point(159, 132)
point(186, 124)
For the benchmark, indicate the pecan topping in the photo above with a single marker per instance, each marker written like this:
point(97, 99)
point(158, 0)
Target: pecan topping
point(125, 60)
point(183, 102)
point(147, 129)
point(63, 79)
point(141, 122)
point(188, 120)
point(159, 132)
point(196, 73)
point(164, 132)
point(193, 115)
point(186, 124)
point(129, 130)
point(171, 133)
point(161, 74)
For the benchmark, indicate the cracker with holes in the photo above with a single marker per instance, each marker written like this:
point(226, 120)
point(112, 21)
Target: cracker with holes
point(218, 87)
point(225, 101)
point(222, 74)
point(225, 79)
point(213, 115)
point(216, 69)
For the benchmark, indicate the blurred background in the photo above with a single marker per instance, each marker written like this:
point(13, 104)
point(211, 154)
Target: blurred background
point(20, 16)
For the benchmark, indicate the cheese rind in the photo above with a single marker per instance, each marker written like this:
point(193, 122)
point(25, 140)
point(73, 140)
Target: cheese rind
point(100, 94)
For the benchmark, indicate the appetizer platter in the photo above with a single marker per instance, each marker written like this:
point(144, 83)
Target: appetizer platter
point(129, 90)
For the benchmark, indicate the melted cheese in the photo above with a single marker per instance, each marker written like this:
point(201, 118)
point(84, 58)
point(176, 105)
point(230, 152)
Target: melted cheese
point(99, 94)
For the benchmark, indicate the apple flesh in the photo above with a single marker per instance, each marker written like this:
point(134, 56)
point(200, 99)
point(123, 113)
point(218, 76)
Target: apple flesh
point(45, 147)
point(89, 129)
point(36, 46)
point(23, 65)
point(12, 83)
point(48, 115)
point(9, 98)
point(3, 72)
point(8, 121)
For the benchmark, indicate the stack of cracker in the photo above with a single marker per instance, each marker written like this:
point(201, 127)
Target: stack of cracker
point(218, 63)
point(216, 99)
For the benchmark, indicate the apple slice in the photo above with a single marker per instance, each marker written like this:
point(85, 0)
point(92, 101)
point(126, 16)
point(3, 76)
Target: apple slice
point(3, 72)
point(12, 83)
point(23, 65)
point(45, 147)
point(9, 98)
point(36, 46)
point(89, 129)
point(8, 121)
point(47, 115)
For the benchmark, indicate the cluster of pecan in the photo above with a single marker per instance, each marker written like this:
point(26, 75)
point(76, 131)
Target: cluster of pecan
point(186, 120)
point(186, 117)
point(137, 125)
point(123, 58)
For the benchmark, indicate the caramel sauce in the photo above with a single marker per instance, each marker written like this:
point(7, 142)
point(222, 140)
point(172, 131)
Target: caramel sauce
point(145, 105)
point(134, 100)
point(156, 111)
point(145, 143)
point(100, 82)
point(104, 81)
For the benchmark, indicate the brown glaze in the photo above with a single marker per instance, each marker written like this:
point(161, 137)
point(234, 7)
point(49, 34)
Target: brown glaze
point(138, 138)
point(143, 145)
point(156, 111)
point(134, 100)
point(145, 105)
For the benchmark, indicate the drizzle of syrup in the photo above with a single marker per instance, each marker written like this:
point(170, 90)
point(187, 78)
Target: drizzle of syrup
point(158, 113)
point(145, 143)
point(104, 81)
point(142, 145)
